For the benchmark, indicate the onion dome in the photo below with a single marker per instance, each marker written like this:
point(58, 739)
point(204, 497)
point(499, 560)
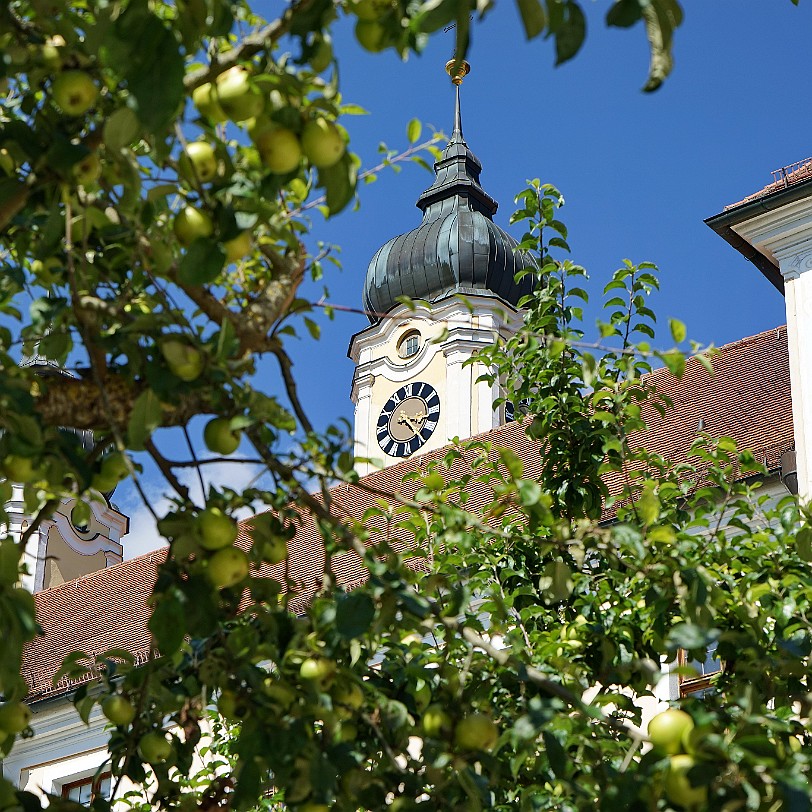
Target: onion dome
point(457, 248)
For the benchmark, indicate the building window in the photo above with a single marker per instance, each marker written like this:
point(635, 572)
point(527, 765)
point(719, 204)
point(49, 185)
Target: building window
point(409, 344)
point(84, 790)
point(696, 676)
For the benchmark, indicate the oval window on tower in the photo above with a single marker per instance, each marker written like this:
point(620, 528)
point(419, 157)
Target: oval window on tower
point(409, 344)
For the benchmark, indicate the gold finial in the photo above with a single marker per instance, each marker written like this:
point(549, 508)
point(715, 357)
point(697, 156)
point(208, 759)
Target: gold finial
point(463, 69)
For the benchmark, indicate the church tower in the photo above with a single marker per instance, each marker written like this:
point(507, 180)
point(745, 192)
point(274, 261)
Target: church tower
point(413, 390)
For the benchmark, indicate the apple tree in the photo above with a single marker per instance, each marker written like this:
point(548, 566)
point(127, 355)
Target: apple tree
point(156, 165)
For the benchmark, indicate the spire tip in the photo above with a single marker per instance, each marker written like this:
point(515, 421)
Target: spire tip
point(457, 70)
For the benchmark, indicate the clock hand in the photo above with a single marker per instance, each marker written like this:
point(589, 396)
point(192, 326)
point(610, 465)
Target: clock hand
point(404, 418)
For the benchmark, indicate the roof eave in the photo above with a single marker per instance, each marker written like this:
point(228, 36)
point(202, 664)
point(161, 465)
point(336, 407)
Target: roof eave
point(724, 222)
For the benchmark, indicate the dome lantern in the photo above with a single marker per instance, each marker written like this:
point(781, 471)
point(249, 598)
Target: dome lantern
point(457, 248)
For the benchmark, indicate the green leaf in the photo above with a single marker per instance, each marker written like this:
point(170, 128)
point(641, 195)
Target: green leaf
point(803, 543)
point(555, 582)
point(147, 56)
point(533, 17)
point(121, 129)
point(9, 562)
point(648, 505)
point(354, 613)
point(144, 419)
point(413, 130)
point(691, 637)
point(570, 31)
point(312, 328)
point(624, 13)
point(529, 492)
point(339, 183)
point(167, 624)
point(511, 461)
point(202, 262)
point(678, 331)
point(675, 361)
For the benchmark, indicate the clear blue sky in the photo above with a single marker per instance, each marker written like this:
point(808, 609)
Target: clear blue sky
point(639, 171)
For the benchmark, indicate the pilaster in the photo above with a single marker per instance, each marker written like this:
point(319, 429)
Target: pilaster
point(796, 269)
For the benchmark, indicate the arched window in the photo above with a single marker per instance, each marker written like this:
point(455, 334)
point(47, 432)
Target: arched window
point(409, 344)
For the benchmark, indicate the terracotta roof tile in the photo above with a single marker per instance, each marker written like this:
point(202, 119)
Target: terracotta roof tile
point(782, 178)
point(747, 398)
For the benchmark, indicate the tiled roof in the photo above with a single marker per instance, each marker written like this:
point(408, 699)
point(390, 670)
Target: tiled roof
point(747, 398)
point(782, 178)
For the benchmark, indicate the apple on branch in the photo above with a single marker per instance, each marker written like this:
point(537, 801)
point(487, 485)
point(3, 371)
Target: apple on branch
point(198, 163)
point(279, 149)
point(216, 529)
point(219, 437)
point(238, 248)
point(322, 143)
point(204, 98)
point(74, 92)
point(227, 567)
point(190, 224)
point(184, 361)
point(237, 96)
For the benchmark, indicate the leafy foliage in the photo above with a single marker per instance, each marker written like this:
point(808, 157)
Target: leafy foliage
point(157, 176)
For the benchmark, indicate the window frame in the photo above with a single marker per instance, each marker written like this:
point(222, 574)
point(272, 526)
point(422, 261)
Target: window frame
point(691, 685)
point(405, 340)
point(95, 782)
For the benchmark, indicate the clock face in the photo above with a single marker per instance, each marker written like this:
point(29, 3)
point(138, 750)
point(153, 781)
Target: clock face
point(408, 419)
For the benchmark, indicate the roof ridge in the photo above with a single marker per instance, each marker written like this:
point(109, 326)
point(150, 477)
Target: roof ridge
point(128, 562)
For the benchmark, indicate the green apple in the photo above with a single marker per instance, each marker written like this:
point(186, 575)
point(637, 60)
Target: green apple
point(237, 96)
point(436, 722)
point(216, 529)
point(368, 9)
point(238, 248)
point(227, 567)
point(678, 787)
point(219, 437)
point(279, 149)
point(14, 717)
point(318, 670)
point(198, 163)
point(348, 695)
point(476, 732)
point(275, 550)
point(371, 34)
point(51, 52)
point(118, 709)
point(190, 224)
point(231, 706)
point(322, 143)
point(205, 99)
point(255, 127)
point(48, 271)
point(154, 748)
point(667, 729)
point(19, 469)
point(87, 171)
point(184, 361)
point(114, 468)
point(7, 164)
point(279, 693)
point(74, 92)
point(322, 54)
